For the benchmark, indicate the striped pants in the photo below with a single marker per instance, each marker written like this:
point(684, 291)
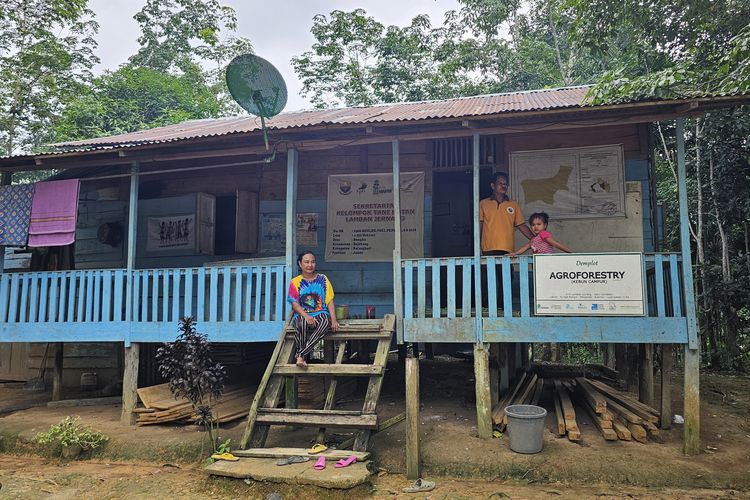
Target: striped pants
point(306, 336)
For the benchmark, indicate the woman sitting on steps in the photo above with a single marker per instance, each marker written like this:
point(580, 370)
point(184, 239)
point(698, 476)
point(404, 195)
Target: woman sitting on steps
point(311, 297)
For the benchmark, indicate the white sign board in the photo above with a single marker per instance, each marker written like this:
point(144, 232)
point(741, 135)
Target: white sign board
point(569, 183)
point(589, 284)
point(360, 220)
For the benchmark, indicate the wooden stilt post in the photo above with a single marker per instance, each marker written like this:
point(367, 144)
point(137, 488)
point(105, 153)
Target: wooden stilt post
point(504, 371)
point(494, 356)
point(412, 418)
point(691, 437)
point(57, 373)
point(130, 384)
point(482, 388)
point(610, 349)
point(646, 376)
point(666, 385)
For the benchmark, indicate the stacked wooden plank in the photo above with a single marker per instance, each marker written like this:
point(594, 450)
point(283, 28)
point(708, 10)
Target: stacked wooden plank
point(565, 414)
point(528, 390)
point(161, 407)
point(615, 414)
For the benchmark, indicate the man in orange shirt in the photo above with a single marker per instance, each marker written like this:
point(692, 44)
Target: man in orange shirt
point(498, 216)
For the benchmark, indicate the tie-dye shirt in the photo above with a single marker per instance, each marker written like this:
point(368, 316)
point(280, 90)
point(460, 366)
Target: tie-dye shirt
point(314, 296)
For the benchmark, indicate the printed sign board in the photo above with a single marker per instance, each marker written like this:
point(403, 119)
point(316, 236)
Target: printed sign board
point(589, 284)
point(170, 233)
point(360, 220)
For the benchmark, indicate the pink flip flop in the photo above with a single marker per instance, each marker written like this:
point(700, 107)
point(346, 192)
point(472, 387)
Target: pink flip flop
point(345, 462)
point(320, 463)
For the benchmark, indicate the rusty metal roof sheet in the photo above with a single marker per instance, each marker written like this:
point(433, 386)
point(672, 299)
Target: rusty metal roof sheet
point(463, 107)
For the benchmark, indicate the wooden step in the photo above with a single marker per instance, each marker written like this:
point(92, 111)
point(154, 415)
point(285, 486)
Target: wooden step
point(304, 418)
point(318, 412)
point(353, 335)
point(330, 454)
point(351, 370)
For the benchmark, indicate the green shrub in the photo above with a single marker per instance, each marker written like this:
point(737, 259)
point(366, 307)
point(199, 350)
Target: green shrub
point(70, 431)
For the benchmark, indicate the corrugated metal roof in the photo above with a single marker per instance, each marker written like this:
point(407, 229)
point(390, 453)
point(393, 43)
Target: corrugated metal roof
point(464, 107)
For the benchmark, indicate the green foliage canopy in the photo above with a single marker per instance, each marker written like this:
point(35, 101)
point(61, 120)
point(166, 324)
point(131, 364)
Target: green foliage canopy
point(46, 56)
point(134, 98)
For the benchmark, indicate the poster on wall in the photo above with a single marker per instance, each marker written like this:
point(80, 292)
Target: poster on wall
point(171, 233)
point(273, 233)
point(360, 221)
point(589, 284)
point(307, 230)
point(570, 183)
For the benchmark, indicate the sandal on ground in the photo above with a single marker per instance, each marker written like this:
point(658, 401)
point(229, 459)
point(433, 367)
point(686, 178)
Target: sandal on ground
point(292, 460)
point(317, 448)
point(420, 485)
point(320, 463)
point(225, 456)
point(345, 462)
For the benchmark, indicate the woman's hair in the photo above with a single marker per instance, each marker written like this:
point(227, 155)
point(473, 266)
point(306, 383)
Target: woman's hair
point(302, 255)
point(539, 215)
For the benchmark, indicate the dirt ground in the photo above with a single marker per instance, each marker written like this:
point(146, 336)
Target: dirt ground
point(143, 462)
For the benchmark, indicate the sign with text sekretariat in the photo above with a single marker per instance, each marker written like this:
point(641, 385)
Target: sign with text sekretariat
point(360, 218)
point(589, 284)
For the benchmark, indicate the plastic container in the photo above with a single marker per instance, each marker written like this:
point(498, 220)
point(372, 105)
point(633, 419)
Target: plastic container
point(526, 428)
point(342, 312)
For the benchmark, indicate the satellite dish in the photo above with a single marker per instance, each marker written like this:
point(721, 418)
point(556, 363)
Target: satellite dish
point(257, 86)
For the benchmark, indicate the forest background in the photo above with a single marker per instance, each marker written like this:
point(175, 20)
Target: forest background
point(628, 49)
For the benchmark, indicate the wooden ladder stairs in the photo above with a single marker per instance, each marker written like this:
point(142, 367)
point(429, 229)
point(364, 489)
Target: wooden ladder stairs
point(264, 411)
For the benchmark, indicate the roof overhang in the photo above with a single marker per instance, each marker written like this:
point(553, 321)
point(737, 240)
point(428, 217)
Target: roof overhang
point(328, 136)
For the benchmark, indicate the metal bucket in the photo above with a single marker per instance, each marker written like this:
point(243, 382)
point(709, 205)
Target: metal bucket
point(526, 428)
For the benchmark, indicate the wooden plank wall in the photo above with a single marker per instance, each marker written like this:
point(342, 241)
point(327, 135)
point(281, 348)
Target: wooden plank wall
point(78, 358)
point(635, 145)
point(357, 284)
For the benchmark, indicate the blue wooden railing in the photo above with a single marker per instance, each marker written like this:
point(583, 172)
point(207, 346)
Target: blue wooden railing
point(230, 304)
point(439, 289)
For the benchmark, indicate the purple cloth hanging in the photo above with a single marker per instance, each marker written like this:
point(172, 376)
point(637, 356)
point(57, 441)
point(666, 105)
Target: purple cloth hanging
point(54, 213)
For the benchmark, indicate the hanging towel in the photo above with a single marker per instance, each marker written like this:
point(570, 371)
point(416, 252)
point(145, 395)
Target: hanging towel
point(15, 211)
point(54, 213)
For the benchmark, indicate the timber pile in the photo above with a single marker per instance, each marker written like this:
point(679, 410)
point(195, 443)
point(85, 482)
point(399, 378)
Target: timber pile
point(527, 391)
point(616, 415)
point(161, 407)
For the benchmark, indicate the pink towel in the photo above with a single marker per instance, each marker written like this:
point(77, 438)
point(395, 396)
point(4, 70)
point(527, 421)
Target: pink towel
point(53, 213)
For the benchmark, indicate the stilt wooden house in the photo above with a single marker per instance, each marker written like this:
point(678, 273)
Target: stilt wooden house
point(200, 219)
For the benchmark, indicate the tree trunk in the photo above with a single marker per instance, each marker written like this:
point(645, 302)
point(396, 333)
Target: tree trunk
point(729, 324)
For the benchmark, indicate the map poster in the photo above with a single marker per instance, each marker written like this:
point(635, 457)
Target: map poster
point(589, 284)
point(570, 183)
point(360, 219)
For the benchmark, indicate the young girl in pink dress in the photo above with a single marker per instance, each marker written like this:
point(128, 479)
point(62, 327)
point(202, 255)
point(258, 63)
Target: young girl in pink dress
point(542, 242)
